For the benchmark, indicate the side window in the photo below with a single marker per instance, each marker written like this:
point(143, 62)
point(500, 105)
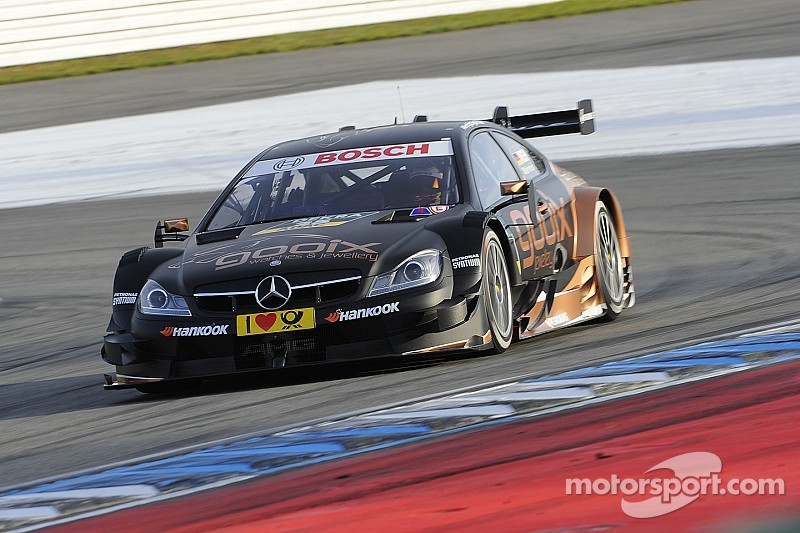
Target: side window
point(530, 164)
point(490, 166)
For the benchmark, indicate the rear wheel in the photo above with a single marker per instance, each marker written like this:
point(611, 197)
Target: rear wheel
point(496, 293)
point(608, 262)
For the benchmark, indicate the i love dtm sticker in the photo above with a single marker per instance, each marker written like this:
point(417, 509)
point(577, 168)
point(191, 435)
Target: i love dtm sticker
point(275, 321)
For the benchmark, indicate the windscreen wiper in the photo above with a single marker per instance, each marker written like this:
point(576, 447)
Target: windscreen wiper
point(281, 219)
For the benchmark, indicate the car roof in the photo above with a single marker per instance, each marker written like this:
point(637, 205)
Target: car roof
point(374, 136)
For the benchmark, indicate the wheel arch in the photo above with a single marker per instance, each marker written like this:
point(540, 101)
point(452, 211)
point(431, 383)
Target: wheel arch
point(464, 236)
point(515, 278)
point(585, 200)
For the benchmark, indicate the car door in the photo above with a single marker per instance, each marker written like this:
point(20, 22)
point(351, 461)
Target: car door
point(547, 215)
point(491, 166)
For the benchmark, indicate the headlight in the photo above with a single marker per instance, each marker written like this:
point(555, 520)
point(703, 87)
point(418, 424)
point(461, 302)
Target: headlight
point(156, 300)
point(419, 269)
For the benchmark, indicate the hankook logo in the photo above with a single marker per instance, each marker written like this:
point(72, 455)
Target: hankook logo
point(273, 292)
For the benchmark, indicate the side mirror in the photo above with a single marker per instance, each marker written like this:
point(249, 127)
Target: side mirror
point(170, 230)
point(508, 188)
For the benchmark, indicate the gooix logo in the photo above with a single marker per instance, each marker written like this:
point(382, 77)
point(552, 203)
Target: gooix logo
point(311, 247)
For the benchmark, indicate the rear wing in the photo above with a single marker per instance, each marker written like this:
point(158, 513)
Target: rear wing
point(580, 120)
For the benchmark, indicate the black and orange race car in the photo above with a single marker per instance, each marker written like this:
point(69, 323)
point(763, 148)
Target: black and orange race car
point(404, 239)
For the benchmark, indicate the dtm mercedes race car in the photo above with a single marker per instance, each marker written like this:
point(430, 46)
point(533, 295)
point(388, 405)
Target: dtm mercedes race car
point(404, 239)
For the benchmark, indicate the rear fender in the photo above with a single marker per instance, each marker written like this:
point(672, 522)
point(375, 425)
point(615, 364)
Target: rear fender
point(585, 200)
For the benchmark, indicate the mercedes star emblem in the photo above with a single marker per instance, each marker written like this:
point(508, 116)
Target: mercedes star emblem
point(273, 292)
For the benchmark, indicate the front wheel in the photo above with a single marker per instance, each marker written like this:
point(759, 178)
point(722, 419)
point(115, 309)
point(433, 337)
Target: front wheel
point(496, 293)
point(608, 261)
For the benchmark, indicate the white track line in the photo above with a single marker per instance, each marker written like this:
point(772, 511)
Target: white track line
point(643, 110)
point(122, 491)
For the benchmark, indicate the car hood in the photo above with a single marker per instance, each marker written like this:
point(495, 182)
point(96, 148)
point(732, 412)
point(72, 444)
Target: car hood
point(362, 244)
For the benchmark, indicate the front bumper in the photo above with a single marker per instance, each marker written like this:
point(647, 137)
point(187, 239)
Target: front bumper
point(425, 321)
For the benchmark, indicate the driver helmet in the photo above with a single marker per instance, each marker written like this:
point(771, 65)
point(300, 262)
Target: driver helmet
point(426, 183)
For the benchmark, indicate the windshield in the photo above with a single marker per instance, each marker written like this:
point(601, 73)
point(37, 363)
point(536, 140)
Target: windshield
point(348, 181)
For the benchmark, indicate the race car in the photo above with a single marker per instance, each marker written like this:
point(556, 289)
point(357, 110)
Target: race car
point(396, 240)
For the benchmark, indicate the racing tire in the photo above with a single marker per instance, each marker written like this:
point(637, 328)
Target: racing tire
point(608, 263)
point(496, 293)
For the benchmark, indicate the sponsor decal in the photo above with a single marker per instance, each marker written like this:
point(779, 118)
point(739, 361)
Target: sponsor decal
point(369, 153)
point(124, 298)
point(532, 237)
point(261, 323)
point(428, 211)
point(557, 320)
point(326, 141)
point(472, 260)
point(288, 164)
point(268, 251)
point(385, 152)
point(521, 157)
point(365, 312)
point(332, 249)
point(471, 124)
point(324, 221)
point(545, 259)
point(195, 331)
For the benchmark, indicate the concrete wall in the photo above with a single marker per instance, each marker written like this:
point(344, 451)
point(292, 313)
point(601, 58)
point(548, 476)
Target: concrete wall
point(34, 31)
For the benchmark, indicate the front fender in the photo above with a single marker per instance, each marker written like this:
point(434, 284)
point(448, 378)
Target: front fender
point(132, 272)
point(463, 237)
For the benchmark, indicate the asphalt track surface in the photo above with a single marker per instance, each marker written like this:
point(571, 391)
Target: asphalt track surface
point(716, 241)
point(691, 32)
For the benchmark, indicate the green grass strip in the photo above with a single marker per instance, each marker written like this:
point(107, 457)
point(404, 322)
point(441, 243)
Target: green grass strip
point(312, 39)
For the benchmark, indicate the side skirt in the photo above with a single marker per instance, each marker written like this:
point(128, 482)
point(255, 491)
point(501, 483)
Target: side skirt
point(577, 301)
